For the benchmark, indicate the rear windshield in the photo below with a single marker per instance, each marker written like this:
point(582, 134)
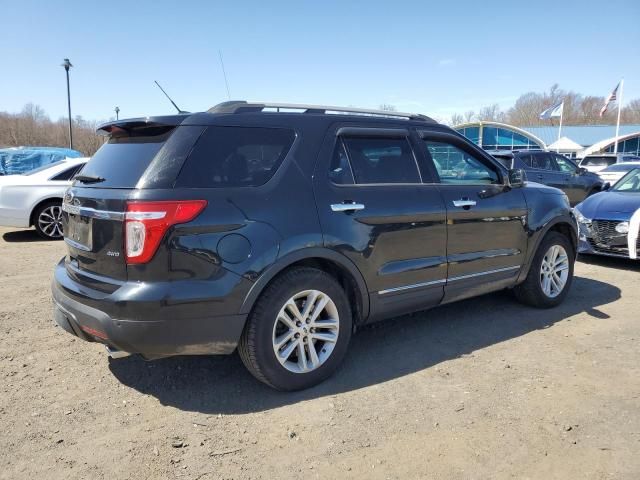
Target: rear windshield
point(598, 161)
point(235, 157)
point(122, 160)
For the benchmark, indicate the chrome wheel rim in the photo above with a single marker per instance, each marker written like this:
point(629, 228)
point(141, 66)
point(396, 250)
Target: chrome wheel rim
point(306, 331)
point(554, 271)
point(50, 221)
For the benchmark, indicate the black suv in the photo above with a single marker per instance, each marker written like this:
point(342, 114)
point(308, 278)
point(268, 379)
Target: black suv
point(278, 229)
point(554, 170)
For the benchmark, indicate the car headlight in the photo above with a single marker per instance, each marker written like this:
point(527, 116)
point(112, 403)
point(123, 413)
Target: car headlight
point(622, 227)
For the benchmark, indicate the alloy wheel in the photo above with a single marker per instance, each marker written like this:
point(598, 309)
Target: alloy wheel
point(306, 331)
point(50, 221)
point(554, 271)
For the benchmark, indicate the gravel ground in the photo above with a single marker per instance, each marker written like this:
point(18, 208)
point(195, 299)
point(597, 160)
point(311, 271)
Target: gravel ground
point(485, 388)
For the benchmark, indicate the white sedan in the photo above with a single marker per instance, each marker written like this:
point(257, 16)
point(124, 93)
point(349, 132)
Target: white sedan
point(615, 172)
point(35, 198)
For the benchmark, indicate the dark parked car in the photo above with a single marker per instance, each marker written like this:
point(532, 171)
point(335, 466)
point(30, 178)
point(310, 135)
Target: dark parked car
point(279, 229)
point(554, 170)
point(609, 221)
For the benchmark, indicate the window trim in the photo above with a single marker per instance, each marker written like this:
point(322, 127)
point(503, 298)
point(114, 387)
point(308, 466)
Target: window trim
point(464, 144)
point(362, 132)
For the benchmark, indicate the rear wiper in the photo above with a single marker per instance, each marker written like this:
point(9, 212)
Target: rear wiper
point(89, 178)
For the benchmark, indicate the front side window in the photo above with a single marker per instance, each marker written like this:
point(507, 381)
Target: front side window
point(235, 157)
point(457, 166)
point(381, 160)
point(565, 165)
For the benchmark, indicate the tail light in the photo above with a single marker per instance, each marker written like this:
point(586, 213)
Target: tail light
point(147, 222)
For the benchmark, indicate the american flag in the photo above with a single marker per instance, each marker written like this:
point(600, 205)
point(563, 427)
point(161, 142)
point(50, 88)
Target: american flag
point(613, 97)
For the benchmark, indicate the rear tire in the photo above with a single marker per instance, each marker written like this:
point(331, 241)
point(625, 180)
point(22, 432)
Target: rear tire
point(299, 330)
point(550, 275)
point(47, 219)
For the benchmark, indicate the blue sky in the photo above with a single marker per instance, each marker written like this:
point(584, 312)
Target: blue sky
point(429, 57)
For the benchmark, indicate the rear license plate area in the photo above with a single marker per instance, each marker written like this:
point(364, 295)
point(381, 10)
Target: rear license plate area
point(80, 232)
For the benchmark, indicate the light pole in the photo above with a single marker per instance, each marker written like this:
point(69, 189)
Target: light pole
point(117, 110)
point(67, 65)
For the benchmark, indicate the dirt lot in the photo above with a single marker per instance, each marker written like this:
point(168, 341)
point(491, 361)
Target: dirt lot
point(482, 389)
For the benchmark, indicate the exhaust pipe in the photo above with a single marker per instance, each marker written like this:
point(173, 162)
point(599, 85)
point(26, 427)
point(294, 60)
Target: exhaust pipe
point(115, 353)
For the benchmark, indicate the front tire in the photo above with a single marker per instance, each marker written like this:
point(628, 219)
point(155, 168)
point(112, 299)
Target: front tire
point(299, 330)
point(47, 219)
point(551, 273)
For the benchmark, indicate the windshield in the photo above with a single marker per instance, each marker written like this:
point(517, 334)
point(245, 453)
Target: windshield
point(629, 183)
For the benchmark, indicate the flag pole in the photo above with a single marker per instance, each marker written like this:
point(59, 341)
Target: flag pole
point(560, 127)
point(615, 148)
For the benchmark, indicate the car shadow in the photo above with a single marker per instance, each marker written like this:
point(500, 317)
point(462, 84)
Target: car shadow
point(24, 236)
point(612, 262)
point(378, 353)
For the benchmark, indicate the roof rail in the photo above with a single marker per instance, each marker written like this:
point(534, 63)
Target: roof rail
point(241, 106)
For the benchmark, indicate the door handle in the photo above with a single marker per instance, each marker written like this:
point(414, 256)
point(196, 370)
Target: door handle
point(464, 202)
point(346, 206)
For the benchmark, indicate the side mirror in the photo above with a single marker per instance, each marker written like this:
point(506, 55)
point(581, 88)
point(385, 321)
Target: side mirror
point(581, 171)
point(605, 187)
point(517, 177)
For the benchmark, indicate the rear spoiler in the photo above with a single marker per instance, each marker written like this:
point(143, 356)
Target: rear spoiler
point(126, 127)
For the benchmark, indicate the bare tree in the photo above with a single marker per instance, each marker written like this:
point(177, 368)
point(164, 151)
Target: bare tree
point(456, 119)
point(491, 113)
point(32, 127)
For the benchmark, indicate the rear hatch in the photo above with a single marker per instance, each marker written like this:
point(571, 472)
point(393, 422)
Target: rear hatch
point(137, 153)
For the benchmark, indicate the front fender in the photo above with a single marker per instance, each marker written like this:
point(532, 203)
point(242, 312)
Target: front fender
point(539, 227)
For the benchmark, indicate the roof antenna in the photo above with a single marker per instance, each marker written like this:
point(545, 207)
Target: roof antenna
point(224, 74)
point(167, 95)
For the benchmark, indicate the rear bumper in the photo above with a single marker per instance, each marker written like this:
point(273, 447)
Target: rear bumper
point(181, 333)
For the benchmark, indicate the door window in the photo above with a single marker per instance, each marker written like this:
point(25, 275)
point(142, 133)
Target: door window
point(543, 161)
point(565, 165)
point(457, 166)
point(340, 170)
point(379, 160)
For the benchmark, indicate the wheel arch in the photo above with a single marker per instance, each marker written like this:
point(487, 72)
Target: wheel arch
point(39, 204)
point(565, 225)
point(324, 259)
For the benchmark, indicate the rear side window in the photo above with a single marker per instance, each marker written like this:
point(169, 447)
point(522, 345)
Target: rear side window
point(68, 173)
point(235, 157)
point(382, 160)
point(542, 161)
